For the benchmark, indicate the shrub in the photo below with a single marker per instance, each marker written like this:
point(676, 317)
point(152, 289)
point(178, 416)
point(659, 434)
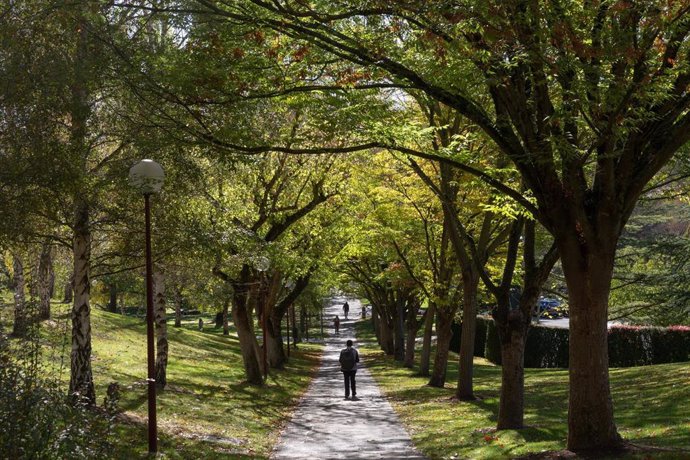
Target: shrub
point(670, 345)
point(492, 350)
point(479, 337)
point(36, 419)
point(629, 346)
point(546, 347)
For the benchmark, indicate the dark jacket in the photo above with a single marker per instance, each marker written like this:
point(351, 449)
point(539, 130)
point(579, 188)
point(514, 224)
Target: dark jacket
point(356, 359)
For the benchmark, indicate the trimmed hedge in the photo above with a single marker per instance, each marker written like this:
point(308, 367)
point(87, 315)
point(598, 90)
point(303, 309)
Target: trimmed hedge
point(547, 347)
point(641, 345)
point(479, 337)
point(492, 350)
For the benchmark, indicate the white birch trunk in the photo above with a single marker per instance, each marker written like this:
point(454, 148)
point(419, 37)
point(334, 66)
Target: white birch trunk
point(81, 378)
point(161, 328)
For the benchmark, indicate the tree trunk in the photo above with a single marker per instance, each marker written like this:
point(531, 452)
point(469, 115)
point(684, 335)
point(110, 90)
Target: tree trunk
point(161, 329)
point(112, 301)
point(295, 329)
point(303, 321)
point(45, 268)
point(33, 277)
point(81, 378)
point(81, 388)
point(51, 279)
point(69, 290)
point(399, 327)
point(19, 286)
point(306, 329)
point(412, 325)
point(444, 321)
point(375, 320)
point(386, 332)
point(226, 327)
point(248, 344)
point(178, 306)
point(588, 273)
point(470, 281)
point(513, 335)
point(409, 344)
point(274, 342)
point(425, 358)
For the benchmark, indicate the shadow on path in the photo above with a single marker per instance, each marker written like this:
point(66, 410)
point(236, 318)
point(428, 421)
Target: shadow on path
point(328, 426)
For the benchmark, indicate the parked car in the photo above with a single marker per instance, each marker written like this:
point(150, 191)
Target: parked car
point(550, 308)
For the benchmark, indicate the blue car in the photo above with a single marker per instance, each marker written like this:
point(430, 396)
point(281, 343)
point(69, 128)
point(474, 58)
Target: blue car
point(548, 307)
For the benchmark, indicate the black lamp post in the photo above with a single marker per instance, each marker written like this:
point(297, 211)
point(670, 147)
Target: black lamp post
point(147, 177)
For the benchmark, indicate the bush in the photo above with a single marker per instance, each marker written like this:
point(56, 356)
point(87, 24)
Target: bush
point(492, 350)
point(629, 346)
point(479, 337)
point(671, 345)
point(36, 419)
point(546, 347)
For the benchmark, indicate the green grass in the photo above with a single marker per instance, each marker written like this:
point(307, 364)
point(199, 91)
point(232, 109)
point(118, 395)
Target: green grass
point(206, 411)
point(652, 407)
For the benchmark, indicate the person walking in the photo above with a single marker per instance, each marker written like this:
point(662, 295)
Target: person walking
point(336, 324)
point(349, 357)
point(346, 309)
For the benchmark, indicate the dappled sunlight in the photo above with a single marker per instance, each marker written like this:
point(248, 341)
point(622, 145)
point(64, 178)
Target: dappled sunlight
point(206, 410)
point(652, 407)
point(327, 426)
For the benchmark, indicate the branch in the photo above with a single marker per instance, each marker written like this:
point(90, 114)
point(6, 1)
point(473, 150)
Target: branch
point(277, 229)
point(409, 269)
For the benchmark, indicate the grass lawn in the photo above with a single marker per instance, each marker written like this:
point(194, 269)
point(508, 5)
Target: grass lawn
point(205, 411)
point(652, 407)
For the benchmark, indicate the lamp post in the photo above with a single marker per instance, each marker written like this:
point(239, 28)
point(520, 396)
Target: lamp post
point(147, 177)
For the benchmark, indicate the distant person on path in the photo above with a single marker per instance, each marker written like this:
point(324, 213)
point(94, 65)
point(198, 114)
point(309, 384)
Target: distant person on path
point(336, 324)
point(346, 309)
point(349, 357)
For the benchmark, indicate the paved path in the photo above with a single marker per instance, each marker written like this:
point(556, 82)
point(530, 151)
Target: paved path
point(328, 426)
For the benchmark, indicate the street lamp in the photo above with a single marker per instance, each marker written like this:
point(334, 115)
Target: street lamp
point(147, 177)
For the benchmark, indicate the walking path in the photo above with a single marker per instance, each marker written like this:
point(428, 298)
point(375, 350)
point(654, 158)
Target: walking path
point(328, 426)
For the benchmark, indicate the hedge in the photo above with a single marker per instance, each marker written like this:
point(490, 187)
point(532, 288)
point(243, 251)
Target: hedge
point(547, 347)
point(479, 337)
point(641, 345)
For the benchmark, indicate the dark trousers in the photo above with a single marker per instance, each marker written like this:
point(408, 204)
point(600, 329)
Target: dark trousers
point(350, 383)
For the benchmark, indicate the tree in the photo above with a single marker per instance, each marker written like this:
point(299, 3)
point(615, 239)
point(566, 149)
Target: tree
point(161, 329)
point(588, 101)
point(379, 236)
point(20, 314)
point(45, 280)
point(62, 105)
point(649, 285)
point(259, 232)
